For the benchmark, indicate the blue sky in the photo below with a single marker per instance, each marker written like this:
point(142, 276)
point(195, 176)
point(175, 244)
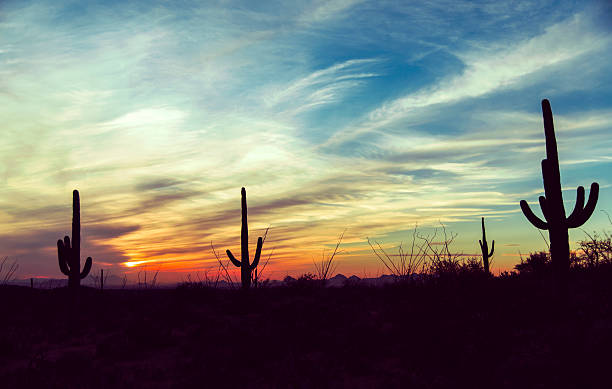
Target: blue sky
point(368, 116)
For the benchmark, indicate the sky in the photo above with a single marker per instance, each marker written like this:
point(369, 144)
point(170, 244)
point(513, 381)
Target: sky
point(362, 117)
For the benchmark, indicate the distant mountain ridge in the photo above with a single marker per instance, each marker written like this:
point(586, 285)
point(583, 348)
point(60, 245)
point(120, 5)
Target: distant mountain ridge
point(116, 282)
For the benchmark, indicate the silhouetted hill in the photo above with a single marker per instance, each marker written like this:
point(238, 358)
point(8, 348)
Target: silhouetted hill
point(472, 332)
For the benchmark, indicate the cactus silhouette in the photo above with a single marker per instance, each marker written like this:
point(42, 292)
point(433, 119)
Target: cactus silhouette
point(69, 257)
point(245, 268)
point(551, 203)
point(484, 247)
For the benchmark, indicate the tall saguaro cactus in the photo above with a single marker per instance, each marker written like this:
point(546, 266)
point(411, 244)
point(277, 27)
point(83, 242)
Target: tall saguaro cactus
point(484, 247)
point(246, 268)
point(551, 204)
point(69, 257)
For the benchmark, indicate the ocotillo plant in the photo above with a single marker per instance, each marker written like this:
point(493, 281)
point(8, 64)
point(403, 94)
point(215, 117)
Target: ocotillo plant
point(245, 267)
point(484, 247)
point(551, 203)
point(69, 257)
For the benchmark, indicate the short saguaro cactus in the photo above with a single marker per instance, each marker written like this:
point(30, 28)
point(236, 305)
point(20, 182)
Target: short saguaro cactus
point(69, 253)
point(246, 268)
point(484, 248)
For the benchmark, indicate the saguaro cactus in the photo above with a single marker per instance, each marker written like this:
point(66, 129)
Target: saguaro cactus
point(245, 267)
point(69, 257)
point(551, 204)
point(484, 247)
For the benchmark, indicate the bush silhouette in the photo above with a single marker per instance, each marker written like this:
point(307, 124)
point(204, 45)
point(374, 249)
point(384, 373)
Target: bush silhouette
point(536, 264)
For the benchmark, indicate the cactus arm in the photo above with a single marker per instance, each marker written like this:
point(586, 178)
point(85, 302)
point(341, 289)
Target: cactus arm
point(68, 252)
point(257, 254)
point(492, 248)
point(579, 206)
point(61, 257)
point(533, 219)
point(543, 206)
point(86, 268)
point(579, 217)
point(481, 248)
point(236, 262)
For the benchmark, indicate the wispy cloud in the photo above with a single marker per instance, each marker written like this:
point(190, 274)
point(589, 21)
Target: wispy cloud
point(323, 86)
point(490, 70)
point(325, 10)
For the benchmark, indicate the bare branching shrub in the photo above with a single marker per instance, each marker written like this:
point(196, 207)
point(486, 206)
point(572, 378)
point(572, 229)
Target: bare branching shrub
point(146, 280)
point(207, 280)
point(595, 251)
point(325, 268)
point(444, 262)
point(405, 263)
point(8, 269)
point(429, 254)
point(441, 260)
point(258, 275)
point(223, 268)
point(98, 278)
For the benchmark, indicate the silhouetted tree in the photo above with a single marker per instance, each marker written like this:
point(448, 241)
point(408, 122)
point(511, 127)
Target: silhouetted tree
point(245, 267)
point(551, 204)
point(69, 257)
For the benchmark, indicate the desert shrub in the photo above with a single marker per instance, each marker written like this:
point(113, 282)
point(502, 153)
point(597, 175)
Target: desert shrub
point(306, 280)
point(207, 281)
point(8, 269)
point(455, 267)
point(471, 265)
point(430, 256)
point(327, 266)
point(595, 251)
point(406, 263)
point(536, 264)
point(508, 275)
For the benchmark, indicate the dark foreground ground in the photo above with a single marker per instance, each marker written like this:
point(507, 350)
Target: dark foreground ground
point(492, 333)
